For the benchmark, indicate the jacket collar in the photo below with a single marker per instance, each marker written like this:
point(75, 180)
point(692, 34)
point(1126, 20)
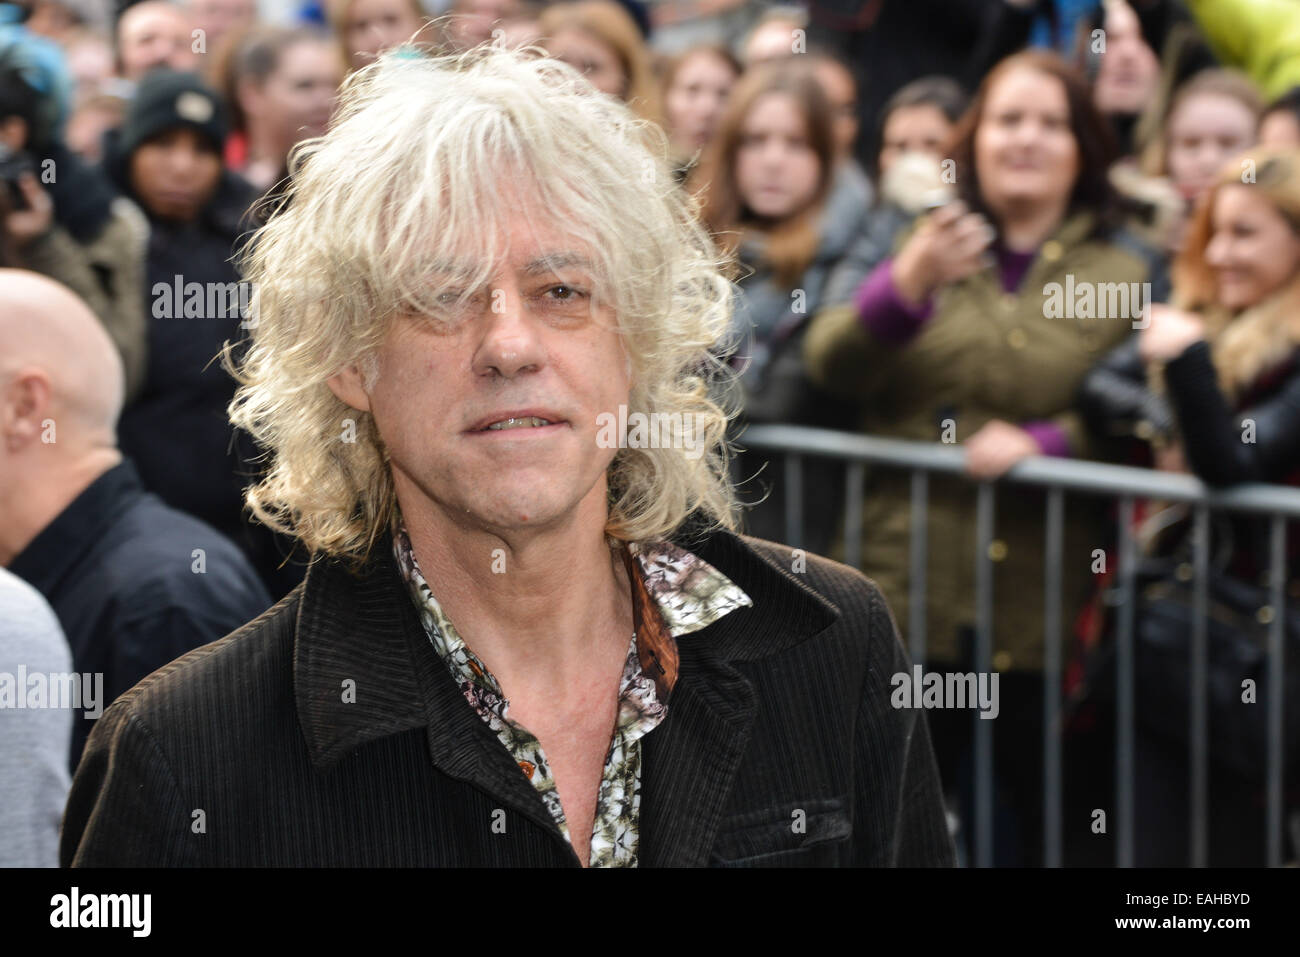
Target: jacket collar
point(364, 670)
point(49, 559)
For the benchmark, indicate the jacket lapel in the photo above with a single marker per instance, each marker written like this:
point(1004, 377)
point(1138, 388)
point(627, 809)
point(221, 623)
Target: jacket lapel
point(362, 627)
point(689, 762)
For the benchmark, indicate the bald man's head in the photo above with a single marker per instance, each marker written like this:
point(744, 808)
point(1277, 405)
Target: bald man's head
point(47, 333)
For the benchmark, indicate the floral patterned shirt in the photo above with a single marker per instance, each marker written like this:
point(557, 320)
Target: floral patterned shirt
point(674, 593)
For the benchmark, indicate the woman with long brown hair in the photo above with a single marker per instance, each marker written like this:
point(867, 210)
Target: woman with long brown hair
point(280, 85)
point(770, 193)
point(696, 84)
point(1211, 117)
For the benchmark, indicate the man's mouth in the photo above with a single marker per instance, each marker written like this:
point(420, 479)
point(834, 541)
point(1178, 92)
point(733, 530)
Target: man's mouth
point(536, 417)
point(527, 422)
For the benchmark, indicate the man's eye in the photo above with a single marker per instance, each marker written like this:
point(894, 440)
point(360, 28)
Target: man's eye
point(565, 293)
point(565, 301)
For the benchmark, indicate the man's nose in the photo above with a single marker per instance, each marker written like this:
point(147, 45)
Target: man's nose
point(183, 161)
point(511, 343)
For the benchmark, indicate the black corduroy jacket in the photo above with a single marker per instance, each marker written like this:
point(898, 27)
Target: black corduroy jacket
point(328, 732)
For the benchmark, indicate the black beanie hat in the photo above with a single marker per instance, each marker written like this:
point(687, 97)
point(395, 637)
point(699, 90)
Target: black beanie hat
point(165, 100)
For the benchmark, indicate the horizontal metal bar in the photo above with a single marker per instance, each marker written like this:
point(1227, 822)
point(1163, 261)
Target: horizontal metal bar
point(1096, 477)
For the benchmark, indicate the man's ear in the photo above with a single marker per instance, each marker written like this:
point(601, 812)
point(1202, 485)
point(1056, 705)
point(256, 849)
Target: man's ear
point(24, 406)
point(349, 385)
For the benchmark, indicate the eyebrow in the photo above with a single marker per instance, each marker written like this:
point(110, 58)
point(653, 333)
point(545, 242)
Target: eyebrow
point(542, 265)
point(553, 262)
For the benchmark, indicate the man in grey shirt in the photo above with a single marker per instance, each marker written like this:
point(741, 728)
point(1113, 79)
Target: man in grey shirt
point(34, 737)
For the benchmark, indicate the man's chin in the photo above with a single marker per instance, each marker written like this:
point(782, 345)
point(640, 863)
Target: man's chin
point(520, 514)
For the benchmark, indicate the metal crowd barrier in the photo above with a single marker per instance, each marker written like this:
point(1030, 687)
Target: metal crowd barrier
point(1057, 475)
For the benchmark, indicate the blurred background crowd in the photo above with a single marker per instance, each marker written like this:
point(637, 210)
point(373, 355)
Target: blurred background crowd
point(900, 183)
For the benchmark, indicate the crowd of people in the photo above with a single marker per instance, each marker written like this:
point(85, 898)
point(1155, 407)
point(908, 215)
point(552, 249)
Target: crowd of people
point(897, 188)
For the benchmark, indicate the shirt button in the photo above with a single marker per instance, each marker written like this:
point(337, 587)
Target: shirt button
point(1144, 429)
point(997, 549)
point(1002, 661)
point(1052, 250)
point(1017, 339)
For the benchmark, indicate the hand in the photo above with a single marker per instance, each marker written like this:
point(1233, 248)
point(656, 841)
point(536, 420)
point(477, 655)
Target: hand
point(1171, 458)
point(1168, 333)
point(949, 245)
point(26, 225)
point(996, 447)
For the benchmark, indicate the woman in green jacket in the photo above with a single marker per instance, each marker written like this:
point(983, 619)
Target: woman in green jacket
point(979, 331)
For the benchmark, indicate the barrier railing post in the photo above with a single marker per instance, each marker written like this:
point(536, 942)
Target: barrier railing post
point(919, 561)
point(854, 484)
point(1124, 731)
point(1276, 686)
point(1199, 737)
point(794, 500)
point(1052, 677)
point(983, 665)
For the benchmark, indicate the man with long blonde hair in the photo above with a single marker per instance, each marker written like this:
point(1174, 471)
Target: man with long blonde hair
point(483, 338)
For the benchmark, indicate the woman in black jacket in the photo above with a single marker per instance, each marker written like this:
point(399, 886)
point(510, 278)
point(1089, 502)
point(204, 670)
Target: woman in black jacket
point(167, 157)
point(1215, 382)
point(1212, 385)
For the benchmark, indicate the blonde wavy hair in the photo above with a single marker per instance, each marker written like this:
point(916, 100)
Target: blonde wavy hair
point(406, 180)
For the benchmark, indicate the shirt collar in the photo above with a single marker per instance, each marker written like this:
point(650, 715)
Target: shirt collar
point(674, 593)
point(59, 546)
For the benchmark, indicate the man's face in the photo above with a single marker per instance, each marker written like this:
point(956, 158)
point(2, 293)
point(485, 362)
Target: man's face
point(153, 35)
point(175, 174)
point(219, 18)
point(529, 344)
point(1130, 70)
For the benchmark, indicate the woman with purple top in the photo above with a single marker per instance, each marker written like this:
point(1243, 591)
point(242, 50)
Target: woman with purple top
point(978, 331)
